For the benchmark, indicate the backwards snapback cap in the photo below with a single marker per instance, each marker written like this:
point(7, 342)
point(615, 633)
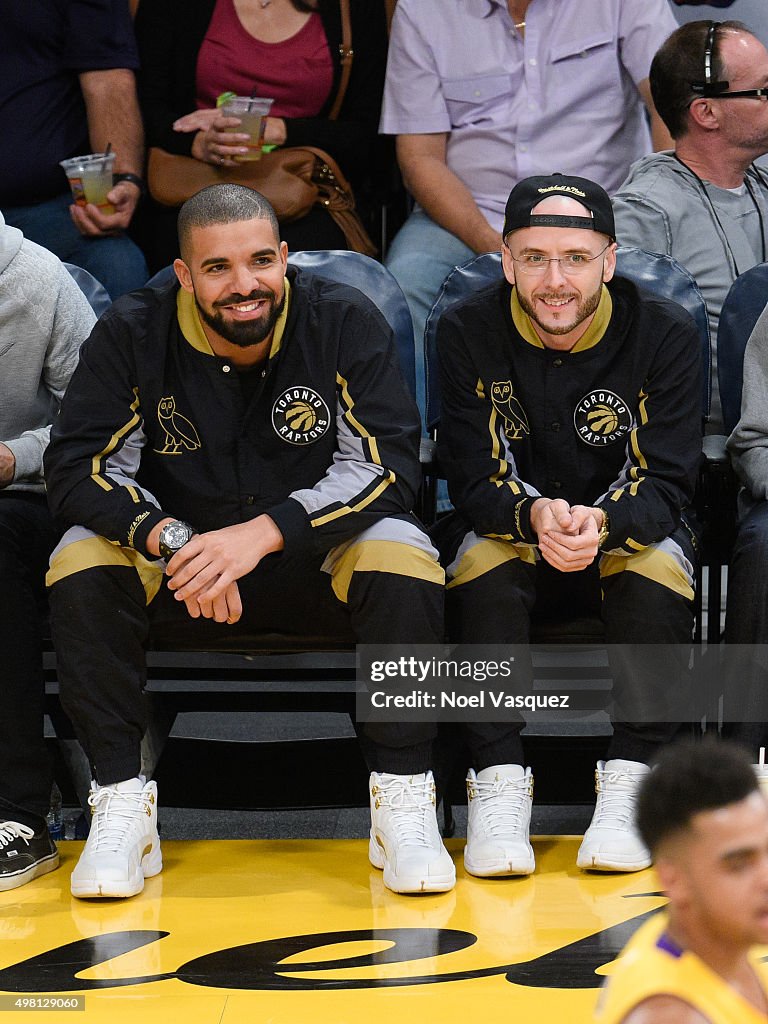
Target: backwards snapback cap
point(529, 192)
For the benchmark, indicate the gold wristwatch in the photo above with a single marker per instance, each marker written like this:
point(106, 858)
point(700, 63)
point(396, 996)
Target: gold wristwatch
point(605, 529)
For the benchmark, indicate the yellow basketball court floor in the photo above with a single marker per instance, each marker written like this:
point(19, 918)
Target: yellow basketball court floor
point(299, 931)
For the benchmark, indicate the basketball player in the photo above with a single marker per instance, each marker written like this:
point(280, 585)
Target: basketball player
point(703, 817)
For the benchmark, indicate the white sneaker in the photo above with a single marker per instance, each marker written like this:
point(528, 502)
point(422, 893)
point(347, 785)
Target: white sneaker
point(761, 771)
point(405, 840)
point(612, 843)
point(123, 847)
point(499, 801)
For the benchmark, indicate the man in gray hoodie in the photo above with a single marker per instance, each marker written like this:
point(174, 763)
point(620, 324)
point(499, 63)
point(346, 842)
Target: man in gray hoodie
point(705, 203)
point(44, 317)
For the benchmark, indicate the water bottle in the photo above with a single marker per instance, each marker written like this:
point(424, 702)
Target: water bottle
point(54, 816)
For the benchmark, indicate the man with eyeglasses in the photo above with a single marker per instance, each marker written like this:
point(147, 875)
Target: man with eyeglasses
point(706, 202)
point(570, 438)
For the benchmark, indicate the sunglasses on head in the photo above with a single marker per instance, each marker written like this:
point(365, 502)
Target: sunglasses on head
point(712, 88)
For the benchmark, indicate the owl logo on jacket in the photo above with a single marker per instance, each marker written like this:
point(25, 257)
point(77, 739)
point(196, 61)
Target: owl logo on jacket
point(180, 433)
point(300, 416)
point(509, 408)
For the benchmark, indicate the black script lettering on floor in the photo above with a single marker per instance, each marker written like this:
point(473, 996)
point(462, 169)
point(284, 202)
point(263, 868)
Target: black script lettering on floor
point(258, 966)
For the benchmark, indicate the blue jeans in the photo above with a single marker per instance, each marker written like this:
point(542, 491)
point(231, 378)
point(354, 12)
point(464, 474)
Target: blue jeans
point(115, 261)
point(420, 258)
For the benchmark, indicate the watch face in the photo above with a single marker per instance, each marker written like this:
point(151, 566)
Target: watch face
point(175, 535)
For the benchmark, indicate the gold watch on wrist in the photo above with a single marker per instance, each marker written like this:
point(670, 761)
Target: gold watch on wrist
point(605, 529)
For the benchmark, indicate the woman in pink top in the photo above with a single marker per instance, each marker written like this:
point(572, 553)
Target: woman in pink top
point(193, 50)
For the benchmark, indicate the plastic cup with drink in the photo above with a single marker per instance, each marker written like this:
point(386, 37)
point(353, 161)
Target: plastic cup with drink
point(90, 178)
point(252, 112)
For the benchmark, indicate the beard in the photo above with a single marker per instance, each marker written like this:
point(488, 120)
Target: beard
point(584, 309)
point(243, 333)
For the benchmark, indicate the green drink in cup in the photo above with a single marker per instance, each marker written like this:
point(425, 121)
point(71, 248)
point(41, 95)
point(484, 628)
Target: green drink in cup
point(90, 178)
point(252, 112)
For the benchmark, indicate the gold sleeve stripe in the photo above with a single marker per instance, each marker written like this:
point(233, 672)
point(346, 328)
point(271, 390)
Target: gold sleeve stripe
point(354, 422)
point(497, 477)
point(96, 464)
point(346, 510)
point(134, 494)
point(629, 543)
point(633, 435)
point(617, 494)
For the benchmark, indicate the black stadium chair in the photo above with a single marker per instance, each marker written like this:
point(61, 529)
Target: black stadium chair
point(94, 290)
point(745, 301)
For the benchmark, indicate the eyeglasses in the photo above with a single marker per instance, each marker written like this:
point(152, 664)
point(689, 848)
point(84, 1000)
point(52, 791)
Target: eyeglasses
point(711, 88)
point(754, 93)
point(574, 263)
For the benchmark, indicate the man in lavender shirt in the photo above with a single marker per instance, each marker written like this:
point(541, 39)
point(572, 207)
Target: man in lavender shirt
point(482, 93)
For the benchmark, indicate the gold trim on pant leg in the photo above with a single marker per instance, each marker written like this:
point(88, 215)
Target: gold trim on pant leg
point(659, 566)
point(98, 551)
point(383, 556)
point(487, 555)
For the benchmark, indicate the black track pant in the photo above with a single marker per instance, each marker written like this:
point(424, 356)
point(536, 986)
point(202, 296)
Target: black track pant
point(495, 588)
point(109, 605)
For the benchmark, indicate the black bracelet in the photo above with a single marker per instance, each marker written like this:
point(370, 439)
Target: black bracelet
point(133, 178)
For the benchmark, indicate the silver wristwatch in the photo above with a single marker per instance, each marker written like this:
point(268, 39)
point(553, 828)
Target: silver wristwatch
point(173, 537)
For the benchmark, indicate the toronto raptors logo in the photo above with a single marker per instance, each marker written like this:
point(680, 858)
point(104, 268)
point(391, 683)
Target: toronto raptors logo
point(300, 416)
point(602, 418)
